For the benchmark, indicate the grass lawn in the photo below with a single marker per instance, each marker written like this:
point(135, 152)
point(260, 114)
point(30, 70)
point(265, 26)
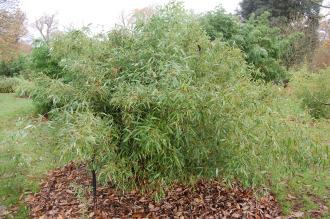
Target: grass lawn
point(309, 191)
point(26, 152)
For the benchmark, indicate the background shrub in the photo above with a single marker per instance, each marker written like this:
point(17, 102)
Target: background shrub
point(20, 86)
point(42, 61)
point(24, 88)
point(13, 67)
point(314, 91)
point(263, 45)
point(8, 85)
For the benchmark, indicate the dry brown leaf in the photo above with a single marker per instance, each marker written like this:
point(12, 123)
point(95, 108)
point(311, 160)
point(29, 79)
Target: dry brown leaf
point(207, 199)
point(291, 197)
point(298, 214)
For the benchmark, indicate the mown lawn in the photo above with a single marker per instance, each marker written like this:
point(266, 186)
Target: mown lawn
point(26, 153)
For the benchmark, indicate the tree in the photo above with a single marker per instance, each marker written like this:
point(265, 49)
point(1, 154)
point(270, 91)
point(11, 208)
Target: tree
point(263, 45)
point(46, 26)
point(128, 21)
point(11, 30)
point(289, 10)
point(300, 15)
point(8, 4)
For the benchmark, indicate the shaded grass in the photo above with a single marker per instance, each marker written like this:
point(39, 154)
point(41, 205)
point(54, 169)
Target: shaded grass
point(26, 152)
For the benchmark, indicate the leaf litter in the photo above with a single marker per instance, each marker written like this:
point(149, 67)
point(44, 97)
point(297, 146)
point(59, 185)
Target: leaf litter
point(206, 199)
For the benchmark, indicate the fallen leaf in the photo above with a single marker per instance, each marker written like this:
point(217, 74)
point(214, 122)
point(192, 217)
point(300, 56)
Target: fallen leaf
point(298, 214)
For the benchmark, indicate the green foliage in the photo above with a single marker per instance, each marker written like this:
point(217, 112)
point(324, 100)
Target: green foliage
point(263, 45)
point(88, 136)
point(24, 88)
point(219, 24)
point(18, 85)
point(314, 92)
point(8, 85)
point(160, 103)
point(42, 61)
point(291, 15)
point(12, 68)
point(151, 87)
point(281, 9)
point(270, 132)
point(51, 94)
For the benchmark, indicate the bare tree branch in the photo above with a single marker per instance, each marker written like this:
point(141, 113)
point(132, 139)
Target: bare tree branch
point(320, 5)
point(46, 26)
point(8, 5)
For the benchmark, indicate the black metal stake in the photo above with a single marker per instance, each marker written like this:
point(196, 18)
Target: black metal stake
point(94, 189)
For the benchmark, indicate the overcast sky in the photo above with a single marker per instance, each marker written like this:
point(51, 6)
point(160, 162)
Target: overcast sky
point(105, 13)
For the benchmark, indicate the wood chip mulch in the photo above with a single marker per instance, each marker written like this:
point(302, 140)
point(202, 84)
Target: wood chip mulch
point(61, 197)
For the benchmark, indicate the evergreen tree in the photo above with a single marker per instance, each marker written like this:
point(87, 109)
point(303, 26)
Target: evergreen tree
point(285, 9)
point(303, 15)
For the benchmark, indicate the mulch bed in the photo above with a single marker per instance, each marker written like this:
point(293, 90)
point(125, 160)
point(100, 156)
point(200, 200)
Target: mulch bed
point(60, 198)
